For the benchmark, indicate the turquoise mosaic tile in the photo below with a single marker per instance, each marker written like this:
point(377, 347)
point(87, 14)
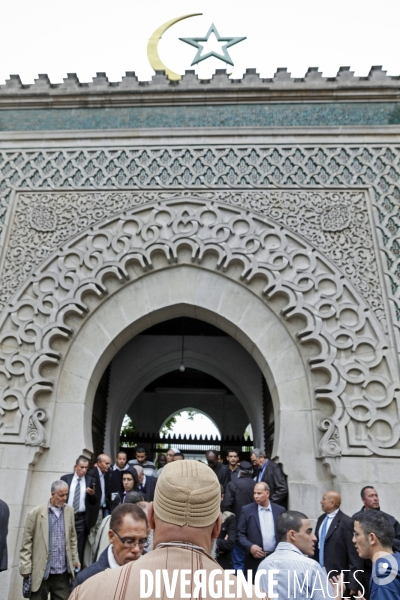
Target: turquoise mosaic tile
point(230, 115)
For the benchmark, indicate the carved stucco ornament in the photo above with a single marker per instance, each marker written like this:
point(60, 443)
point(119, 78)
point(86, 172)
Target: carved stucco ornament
point(36, 433)
point(354, 356)
point(329, 445)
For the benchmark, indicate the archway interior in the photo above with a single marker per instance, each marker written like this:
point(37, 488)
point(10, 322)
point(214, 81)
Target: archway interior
point(179, 363)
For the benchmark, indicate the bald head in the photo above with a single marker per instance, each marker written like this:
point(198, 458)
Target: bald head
point(103, 462)
point(330, 502)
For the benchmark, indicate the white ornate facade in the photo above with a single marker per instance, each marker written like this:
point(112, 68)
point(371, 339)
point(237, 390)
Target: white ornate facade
point(285, 237)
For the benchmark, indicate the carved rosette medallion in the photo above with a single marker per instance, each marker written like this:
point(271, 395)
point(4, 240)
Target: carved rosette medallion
point(42, 218)
point(335, 218)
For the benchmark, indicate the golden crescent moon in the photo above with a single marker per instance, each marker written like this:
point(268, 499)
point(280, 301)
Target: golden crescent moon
point(152, 47)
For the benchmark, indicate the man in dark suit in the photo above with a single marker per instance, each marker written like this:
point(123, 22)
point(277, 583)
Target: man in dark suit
point(370, 499)
point(129, 523)
point(82, 498)
point(334, 549)
point(147, 484)
point(4, 517)
point(222, 472)
point(272, 474)
point(102, 476)
point(256, 531)
point(238, 493)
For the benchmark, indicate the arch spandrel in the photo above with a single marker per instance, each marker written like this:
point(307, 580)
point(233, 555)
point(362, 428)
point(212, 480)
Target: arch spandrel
point(358, 399)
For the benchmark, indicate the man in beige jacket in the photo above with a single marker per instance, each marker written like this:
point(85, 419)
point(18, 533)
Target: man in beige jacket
point(186, 518)
point(49, 551)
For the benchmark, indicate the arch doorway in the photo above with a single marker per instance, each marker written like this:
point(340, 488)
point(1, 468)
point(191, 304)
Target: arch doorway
point(178, 363)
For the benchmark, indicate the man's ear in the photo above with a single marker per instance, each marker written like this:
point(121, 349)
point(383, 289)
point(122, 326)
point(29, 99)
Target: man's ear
point(373, 540)
point(291, 536)
point(111, 536)
point(150, 516)
point(217, 527)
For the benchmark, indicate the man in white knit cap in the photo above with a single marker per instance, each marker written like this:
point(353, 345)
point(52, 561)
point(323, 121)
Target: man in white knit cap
point(186, 518)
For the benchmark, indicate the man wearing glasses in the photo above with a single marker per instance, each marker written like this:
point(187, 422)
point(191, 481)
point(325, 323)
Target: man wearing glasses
point(128, 538)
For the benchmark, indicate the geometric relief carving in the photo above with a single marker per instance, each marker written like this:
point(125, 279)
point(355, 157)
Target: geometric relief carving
point(352, 372)
point(335, 222)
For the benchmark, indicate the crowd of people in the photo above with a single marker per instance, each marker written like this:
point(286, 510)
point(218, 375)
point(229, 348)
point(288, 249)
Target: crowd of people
point(230, 516)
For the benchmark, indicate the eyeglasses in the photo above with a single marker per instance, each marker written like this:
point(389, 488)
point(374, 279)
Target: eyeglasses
point(132, 543)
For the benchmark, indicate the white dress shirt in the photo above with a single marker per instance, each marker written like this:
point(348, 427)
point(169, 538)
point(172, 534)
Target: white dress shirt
point(330, 516)
point(267, 526)
point(111, 560)
point(102, 485)
point(71, 496)
point(143, 484)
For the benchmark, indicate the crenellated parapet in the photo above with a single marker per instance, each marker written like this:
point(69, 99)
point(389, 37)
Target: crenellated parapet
point(191, 89)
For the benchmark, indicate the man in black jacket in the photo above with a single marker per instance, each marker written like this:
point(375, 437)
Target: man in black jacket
point(102, 475)
point(272, 474)
point(334, 549)
point(147, 484)
point(82, 498)
point(128, 538)
point(238, 493)
point(221, 471)
point(121, 464)
point(370, 499)
point(4, 516)
point(226, 540)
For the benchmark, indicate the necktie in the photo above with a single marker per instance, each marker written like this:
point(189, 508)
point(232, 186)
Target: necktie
point(77, 496)
point(322, 537)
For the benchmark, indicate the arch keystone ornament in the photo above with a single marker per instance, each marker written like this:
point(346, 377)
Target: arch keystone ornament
point(342, 339)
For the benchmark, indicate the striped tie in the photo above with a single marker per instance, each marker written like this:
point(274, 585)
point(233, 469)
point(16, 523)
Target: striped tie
point(77, 496)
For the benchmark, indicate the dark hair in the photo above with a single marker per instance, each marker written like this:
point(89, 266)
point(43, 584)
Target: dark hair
point(212, 452)
point(133, 498)
point(267, 488)
point(374, 521)
point(80, 459)
point(122, 452)
point(366, 487)
point(120, 512)
point(142, 449)
point(290, 519)
point(127, 472)
point(178, 454)
point(232, 450)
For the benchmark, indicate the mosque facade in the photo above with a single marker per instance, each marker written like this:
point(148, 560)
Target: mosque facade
point(265, 209)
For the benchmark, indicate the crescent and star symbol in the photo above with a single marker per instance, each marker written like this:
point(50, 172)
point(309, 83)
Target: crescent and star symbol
point(158, 65)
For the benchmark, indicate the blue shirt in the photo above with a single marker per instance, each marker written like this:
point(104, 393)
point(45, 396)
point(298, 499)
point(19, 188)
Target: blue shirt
point(261, 471)
point(299, 576)
point(267, 527)
point(385, 579)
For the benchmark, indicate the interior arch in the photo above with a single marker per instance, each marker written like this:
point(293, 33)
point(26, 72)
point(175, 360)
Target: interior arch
point(136, 306)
